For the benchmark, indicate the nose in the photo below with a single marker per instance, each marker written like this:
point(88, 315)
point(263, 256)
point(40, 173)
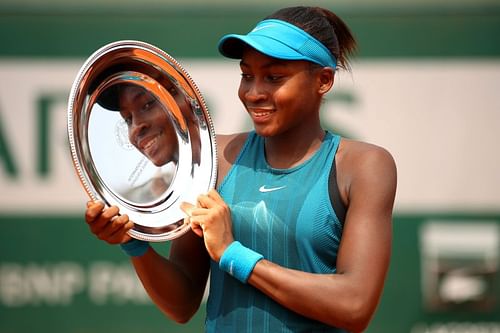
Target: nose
point(254, 91)
point(137, 129)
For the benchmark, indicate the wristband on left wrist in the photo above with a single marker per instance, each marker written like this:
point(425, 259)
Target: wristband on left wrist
point(239, 261)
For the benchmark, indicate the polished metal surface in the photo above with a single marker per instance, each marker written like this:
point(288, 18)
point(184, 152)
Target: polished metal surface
point(141, 136)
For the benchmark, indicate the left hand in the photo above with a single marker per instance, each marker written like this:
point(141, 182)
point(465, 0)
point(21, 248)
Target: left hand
point(211, 219)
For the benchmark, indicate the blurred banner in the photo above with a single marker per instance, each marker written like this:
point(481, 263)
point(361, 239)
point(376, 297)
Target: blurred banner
point(425, 86)
point(439, 118)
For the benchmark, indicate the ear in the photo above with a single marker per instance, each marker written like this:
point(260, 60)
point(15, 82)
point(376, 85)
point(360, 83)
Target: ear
point(326, 77)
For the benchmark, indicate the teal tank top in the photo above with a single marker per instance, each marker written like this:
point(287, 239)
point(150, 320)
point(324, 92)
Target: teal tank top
point(287, 216)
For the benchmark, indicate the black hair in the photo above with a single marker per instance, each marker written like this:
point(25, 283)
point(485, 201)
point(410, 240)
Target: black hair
point(323, 25)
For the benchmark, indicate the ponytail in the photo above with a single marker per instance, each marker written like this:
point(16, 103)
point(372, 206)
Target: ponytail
point(345, 40)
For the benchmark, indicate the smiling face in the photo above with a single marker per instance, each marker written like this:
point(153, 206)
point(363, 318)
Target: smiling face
point(149, 127)
point(280, 96)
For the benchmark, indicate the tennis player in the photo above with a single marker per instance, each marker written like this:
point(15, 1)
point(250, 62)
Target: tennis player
point(297, 236)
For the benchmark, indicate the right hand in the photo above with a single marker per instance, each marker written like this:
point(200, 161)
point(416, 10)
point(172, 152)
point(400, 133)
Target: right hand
point(107, 224)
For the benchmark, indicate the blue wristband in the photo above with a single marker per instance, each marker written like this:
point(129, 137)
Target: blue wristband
point(135, 247)
point(239, 261)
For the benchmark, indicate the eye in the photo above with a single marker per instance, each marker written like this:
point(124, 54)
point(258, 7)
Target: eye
point(274, 77)
point(246, 77)
point(128, 120)
point(148, 105)
point(127, 117)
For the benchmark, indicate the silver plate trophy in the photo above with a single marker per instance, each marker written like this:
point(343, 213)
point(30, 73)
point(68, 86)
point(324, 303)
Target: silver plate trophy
point(141, 137)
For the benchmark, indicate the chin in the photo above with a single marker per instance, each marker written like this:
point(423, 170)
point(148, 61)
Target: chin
point(161, 162)
point(158, 164)
point(156, 160)
point(265, 131)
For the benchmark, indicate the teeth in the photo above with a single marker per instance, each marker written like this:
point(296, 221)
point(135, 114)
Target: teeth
point(149, 144)
point(261, 114)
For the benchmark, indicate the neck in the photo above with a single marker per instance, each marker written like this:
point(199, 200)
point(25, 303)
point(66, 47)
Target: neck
point(293, 147)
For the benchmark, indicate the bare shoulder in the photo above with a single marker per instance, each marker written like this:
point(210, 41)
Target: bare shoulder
point(228, 148)
point(360, 155)
point(229, 145)
point(364, 167)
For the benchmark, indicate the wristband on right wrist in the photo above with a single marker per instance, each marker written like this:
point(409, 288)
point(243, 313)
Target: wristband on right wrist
point(239, 261)
point(135, 247)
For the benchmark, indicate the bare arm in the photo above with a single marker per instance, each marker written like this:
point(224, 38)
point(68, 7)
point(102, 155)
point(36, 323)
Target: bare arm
point(349, 298)
point(175, 285)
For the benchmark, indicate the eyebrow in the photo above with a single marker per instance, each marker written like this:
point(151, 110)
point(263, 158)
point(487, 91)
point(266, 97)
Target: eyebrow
point(136, 96)
point(140, 94)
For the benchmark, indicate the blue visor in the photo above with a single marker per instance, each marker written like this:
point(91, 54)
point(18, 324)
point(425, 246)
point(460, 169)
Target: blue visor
point(281, 40)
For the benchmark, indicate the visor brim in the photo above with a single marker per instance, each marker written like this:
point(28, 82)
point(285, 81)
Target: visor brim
point(232, 46)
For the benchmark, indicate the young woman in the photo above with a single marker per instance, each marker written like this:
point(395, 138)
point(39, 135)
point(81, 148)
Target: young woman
point(297, 237)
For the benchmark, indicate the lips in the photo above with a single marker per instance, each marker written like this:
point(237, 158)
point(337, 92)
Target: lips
point(260, 114)
point(148, 144)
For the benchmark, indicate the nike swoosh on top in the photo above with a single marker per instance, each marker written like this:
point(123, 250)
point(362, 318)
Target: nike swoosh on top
point(263, 188)
point(263, 27)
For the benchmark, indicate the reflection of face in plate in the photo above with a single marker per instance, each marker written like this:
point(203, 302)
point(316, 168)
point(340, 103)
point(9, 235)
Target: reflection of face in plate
point(161, 154)
point(150, 129)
